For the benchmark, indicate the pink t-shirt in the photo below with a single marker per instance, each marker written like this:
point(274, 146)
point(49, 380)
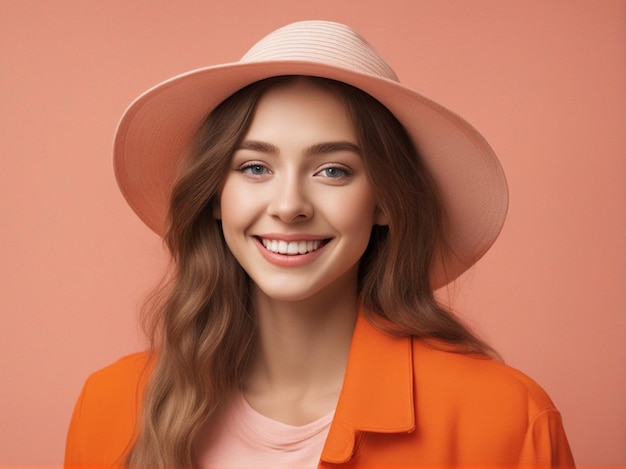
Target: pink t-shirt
point(247, 439)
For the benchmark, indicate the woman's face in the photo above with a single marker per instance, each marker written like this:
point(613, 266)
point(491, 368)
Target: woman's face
point(296, 207)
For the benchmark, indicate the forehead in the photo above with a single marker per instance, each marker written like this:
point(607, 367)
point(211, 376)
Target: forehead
point(302, 108)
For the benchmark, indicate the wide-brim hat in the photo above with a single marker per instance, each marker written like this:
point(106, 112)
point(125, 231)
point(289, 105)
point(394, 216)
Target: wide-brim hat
point(158, 126)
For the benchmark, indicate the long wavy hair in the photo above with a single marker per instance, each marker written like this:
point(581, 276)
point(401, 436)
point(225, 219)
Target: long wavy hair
point(201, 326)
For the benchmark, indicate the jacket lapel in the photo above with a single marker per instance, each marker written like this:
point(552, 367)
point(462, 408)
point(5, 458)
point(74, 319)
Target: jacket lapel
point(377, 393)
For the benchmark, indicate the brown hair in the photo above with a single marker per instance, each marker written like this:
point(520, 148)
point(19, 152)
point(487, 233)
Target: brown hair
point(202, 329)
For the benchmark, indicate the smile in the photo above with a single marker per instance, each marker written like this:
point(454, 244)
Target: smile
point(292, 248)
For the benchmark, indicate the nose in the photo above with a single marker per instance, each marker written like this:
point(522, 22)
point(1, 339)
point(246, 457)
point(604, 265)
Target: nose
point(290, 201)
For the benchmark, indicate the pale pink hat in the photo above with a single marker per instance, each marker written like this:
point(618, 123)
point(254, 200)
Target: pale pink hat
point(158, 126)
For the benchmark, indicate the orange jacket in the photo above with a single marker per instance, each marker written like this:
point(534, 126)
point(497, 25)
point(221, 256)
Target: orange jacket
point(403, 404)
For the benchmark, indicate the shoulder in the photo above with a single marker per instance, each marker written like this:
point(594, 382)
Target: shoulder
point(121, 373)
point(116, 389)
point(444, 407)
point(105, 416)
point(478, 383)
point(492, 408)
point(117, 383)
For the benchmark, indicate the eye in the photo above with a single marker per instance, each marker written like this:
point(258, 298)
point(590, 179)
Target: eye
point(253, 169)
point(334, 172)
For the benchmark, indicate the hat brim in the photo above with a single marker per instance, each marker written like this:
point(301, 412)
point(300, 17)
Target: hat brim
point(158, 126)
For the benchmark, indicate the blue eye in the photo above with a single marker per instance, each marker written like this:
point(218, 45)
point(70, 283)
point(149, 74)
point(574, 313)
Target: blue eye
point(334, 172)
point(254, 169)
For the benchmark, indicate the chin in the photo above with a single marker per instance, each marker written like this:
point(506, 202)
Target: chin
point(290, 295)
point(287, 296)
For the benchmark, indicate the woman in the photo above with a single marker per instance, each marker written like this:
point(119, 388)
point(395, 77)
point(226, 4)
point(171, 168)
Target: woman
point(310, 217)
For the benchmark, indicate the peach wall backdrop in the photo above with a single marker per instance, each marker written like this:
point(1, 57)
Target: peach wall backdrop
point(543, 80)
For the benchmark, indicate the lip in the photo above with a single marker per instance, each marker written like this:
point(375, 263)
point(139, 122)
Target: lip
point(290, 260)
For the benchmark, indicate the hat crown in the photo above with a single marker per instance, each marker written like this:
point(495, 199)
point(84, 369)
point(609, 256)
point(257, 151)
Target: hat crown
point(324, 42)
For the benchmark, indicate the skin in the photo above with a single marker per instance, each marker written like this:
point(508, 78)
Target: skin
point(299, 176)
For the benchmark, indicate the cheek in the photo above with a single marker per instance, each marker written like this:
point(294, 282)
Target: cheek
point(354, 213)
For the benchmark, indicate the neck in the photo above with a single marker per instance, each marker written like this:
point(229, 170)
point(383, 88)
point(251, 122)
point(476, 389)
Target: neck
point(302, 349)
point(301, 343)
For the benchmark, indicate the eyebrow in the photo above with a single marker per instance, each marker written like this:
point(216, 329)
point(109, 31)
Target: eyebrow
point(316, 149)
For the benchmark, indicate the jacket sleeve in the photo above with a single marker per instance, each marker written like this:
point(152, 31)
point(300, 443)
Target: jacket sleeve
point(103, 425)
point(73, 445)
point(99, 431)
point(545, 444)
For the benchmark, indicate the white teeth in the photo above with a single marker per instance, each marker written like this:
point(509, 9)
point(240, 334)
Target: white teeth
point(291, 247)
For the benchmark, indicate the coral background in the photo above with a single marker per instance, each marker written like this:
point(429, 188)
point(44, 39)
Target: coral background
point(544, 81)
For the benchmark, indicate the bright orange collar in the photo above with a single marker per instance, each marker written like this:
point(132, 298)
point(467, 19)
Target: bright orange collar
point(377, 394)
